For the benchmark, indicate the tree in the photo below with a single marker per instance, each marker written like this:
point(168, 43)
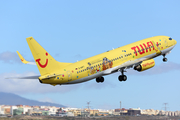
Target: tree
point(96, 114)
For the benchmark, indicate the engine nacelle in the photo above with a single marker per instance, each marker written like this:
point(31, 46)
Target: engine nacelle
point(145, 65)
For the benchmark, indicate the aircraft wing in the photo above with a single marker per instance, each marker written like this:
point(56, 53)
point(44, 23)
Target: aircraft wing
point(125, 65)
point(24, 61)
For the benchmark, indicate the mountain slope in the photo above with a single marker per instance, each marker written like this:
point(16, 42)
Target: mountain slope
point(13, 99)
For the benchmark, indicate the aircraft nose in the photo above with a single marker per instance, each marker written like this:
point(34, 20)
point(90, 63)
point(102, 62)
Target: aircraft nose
point(175, 42)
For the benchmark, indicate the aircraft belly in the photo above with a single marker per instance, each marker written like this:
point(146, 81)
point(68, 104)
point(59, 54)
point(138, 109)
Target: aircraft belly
point(85, 78)
point(167, 50)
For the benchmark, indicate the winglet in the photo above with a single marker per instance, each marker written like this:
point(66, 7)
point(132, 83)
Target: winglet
point(22, 59)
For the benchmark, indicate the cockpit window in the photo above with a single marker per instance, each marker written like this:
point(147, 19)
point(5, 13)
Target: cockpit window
point(170, 38)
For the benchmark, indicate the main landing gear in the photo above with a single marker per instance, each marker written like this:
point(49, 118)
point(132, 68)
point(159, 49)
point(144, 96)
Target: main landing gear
point(164, 59)
point(122, 77)
point(100, 79)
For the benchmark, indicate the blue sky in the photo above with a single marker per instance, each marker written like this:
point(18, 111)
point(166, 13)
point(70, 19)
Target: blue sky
point(75, 30)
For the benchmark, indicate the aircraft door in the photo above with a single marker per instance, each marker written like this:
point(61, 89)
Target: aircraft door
point(157, 49)
point(69, 75)
point(125, 56)
point(166, 42)
point(122, 57)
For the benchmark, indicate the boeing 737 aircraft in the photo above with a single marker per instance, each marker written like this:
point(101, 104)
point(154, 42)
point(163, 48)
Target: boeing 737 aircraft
point(138, 55)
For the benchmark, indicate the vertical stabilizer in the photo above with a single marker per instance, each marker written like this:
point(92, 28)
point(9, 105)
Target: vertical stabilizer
point(44, 61)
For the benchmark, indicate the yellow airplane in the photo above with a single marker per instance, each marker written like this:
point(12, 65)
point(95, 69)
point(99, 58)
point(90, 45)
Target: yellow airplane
point(138, 55)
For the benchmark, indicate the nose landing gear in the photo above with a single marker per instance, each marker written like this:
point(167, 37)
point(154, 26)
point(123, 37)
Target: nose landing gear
point(164, 59)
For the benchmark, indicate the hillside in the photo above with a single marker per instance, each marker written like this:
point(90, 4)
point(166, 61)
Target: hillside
point(13, 99)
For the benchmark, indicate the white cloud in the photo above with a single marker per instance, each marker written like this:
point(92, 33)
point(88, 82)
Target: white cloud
point(22, 86)
point(46, 99)
point(95, 85)
point(106, 106)
point(25, 86)
point(9, 57)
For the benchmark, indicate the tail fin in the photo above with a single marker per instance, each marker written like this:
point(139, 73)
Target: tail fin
point(44, 61)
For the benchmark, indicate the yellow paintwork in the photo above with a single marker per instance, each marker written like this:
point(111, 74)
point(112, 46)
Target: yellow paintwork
point(54, 72)
point(22, 59)
point(46, 64)
point(147, 64)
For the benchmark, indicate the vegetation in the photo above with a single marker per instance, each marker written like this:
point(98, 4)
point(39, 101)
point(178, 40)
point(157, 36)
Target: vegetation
point(89, 118)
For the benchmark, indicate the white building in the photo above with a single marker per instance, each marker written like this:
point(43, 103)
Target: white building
point(26, 109)
point(1, 110)
point(13, 108)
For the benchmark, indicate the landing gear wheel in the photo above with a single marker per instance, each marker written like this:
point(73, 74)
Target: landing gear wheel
point(97, 80)
point(100, 79)
point(164, 59)
point(122, 78)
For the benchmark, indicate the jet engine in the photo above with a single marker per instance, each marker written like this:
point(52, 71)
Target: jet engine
point(145, 65)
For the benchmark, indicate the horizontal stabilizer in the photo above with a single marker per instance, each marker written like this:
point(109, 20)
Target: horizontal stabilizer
point(27, 77)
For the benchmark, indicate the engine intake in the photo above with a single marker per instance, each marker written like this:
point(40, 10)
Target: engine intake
point(145, 65)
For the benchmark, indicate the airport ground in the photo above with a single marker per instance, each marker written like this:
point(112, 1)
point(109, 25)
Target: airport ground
point(93, 118)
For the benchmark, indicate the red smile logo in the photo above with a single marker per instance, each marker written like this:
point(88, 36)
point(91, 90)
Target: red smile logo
point(42, 66)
